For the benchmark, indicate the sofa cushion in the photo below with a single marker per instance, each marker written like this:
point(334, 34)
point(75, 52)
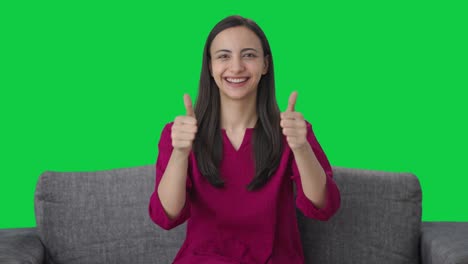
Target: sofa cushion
point(102, 217)
point(20, 245)
point(444, 242)
point(378, 222)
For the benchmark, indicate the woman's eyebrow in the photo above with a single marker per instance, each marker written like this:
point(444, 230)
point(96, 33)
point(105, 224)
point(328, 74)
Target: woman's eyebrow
point(226, 50)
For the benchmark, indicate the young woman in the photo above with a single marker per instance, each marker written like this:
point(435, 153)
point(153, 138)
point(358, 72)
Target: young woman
point(229, 166)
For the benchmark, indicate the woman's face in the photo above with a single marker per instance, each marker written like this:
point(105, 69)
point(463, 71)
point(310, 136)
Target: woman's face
point(237, 62)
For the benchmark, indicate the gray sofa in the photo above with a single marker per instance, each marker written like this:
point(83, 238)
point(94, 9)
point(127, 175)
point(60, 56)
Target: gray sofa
point(102, 217)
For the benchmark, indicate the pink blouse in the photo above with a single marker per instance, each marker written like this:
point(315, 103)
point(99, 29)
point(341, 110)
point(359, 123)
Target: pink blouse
point(233, 225)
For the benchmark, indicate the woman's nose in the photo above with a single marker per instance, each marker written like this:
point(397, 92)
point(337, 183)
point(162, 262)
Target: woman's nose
point(236, 65)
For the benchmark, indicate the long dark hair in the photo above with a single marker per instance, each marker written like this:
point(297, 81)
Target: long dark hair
point(267, 136)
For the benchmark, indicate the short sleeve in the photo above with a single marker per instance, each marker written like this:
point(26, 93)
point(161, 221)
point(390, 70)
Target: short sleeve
point(333, 199)
point(155, 208)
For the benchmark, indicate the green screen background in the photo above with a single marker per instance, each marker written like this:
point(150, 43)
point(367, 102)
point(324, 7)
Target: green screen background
point(89, 85)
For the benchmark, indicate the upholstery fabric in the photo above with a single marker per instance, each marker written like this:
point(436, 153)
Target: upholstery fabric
point(20, 245)
point(444, 243)
point(379, 221)
point(101, 217)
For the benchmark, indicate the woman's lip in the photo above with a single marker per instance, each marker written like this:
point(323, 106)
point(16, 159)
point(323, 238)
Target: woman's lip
point(236, 85)
point(225, 78)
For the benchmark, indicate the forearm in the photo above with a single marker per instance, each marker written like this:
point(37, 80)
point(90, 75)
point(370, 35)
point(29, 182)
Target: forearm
point(312, 175)
point(172, 187)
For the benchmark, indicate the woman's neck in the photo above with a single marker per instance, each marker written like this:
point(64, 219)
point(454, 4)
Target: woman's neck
point(238, 115)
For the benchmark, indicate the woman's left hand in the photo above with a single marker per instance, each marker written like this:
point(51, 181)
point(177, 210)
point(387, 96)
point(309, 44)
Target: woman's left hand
point(294, 126)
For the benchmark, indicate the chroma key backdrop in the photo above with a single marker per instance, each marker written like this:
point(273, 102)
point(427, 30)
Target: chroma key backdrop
point(89, 85)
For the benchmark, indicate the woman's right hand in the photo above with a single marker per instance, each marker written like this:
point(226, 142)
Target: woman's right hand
point(184, 128)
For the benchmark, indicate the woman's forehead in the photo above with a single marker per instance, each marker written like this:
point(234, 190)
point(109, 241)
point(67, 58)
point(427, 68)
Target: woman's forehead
point(236, 39)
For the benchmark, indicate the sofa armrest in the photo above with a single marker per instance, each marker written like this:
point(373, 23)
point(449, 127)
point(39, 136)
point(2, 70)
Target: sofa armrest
point(444, 242)
point(21, 245)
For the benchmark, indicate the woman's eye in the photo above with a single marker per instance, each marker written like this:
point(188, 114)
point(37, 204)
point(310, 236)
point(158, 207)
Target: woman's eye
point(251, 55)
point(248, 55)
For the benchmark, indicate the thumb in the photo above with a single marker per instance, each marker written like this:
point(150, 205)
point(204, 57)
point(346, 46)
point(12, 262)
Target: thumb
point(292, 102)
point(188, 106)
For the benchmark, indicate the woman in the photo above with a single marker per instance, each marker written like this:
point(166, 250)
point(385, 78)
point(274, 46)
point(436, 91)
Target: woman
point(230, 164)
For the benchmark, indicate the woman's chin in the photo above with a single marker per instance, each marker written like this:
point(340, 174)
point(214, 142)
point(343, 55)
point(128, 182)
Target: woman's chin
point(237, 93)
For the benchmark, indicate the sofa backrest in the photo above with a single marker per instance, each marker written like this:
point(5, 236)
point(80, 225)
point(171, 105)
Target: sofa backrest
point(102, 217)
point(379, 220)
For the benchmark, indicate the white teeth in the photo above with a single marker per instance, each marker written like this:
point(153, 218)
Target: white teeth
point(236, 80)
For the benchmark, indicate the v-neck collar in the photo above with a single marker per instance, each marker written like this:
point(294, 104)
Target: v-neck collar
point(246, 138)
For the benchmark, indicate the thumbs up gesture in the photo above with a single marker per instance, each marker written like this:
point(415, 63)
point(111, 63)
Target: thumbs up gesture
point(184, 128)
point(294, 125)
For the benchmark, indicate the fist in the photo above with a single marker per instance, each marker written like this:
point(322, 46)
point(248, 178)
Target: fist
point(184, 128)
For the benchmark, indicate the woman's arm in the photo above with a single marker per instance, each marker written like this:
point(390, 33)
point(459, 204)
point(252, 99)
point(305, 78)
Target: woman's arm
point(318, 195)
point(169, 205)
point(312, 175)
point(172, 187)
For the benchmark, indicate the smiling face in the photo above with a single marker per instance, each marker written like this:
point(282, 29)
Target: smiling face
point(237, 62)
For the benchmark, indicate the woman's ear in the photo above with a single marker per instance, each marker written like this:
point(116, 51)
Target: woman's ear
point(266, 64)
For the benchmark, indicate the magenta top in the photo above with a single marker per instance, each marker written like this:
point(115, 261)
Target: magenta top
point(234, 225)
